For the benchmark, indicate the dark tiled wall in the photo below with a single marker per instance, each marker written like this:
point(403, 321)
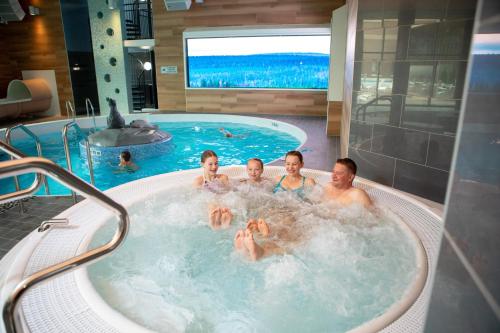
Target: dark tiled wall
point(409, 69)
point(466, 293)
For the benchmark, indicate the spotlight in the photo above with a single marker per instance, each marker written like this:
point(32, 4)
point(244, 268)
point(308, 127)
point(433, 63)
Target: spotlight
point(34, 10)
point(112, 4)
point(147, 66)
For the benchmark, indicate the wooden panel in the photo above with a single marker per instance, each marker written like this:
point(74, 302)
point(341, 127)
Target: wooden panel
point(334, 118)
point(303, 103)
point(168, 28)
point(7, 68)
point(37, 43)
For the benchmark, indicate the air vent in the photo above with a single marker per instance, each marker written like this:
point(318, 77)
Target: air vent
point(173, 5)
point(10, 10)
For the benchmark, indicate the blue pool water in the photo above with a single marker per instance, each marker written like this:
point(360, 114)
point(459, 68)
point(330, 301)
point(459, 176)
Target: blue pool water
point(189, 140)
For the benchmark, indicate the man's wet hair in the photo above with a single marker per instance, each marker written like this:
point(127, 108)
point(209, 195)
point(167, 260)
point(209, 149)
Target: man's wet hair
point(257, 160)
point(349, 164)
point(125, 155)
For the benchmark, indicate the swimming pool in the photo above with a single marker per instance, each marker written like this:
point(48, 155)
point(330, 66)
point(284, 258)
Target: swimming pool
point(192, 134)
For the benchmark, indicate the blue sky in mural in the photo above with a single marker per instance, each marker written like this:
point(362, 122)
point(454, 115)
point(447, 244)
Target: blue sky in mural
point(485, 74)
point(486, 44)
point(280, 62)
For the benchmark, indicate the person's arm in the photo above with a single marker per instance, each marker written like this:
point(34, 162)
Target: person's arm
point(198, 181)
point(309, 182)
point(224, 179)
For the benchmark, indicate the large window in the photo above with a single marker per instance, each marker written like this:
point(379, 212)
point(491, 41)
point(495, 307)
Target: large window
point(297, 60)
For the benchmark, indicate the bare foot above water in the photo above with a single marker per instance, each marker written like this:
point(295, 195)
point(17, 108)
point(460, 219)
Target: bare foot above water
point(214, 218)
point(226, 217)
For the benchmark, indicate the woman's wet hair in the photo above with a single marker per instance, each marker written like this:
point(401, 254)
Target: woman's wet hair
point(349, 164)
point(125, 155)
point(258, 160)
point(295, 153)
point(206, 154)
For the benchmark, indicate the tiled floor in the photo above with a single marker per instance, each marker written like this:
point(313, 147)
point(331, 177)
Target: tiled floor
point(319, 153)
point(15, 225)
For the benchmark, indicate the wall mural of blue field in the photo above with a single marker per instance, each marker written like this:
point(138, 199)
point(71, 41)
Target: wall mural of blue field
point(279, 70)
point(284, 62)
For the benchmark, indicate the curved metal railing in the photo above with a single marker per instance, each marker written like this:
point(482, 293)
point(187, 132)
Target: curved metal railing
point(8, 135)
point(88, 104)
point(70, 110)
point(362, 108)
point(68, 156)
point(11, 168)
point(13, 152)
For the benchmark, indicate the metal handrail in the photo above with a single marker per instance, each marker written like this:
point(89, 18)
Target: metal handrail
point(42, 165)
point(19, 193)
point(70, 110)
point(68, 157)
point(87, 104)
point(8, 134)
point(373, 101)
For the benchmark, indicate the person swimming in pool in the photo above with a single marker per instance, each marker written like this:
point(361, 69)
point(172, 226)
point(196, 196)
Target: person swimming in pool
point(228, 134)
point(126, 164)
point(218, 216)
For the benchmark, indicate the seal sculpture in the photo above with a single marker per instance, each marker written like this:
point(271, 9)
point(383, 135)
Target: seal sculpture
point(115, 119)
point(141, 138)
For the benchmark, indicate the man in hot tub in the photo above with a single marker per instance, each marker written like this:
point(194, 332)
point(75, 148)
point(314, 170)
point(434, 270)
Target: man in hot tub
point(340, 189)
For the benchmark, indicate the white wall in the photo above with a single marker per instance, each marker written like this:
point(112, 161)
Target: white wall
point(337, 54)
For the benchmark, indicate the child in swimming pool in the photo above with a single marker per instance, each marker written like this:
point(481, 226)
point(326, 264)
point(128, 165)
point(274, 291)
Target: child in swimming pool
point(126, 164)
point(218, 216)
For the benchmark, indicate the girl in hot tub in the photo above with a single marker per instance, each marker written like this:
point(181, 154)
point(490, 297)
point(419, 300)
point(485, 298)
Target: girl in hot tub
point(218, 216)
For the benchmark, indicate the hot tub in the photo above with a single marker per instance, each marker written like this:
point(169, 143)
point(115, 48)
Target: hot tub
point(70, 303)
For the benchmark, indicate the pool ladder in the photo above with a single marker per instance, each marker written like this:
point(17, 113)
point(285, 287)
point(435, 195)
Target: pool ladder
point(8, 140)
point(42, 166)
point(88, 105)
point(67, 152)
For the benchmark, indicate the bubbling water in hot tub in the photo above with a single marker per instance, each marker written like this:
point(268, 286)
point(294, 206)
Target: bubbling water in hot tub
point(176, 274)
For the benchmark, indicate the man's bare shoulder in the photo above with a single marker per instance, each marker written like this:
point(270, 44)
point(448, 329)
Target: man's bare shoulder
point(328, 188)
point(360, 195)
